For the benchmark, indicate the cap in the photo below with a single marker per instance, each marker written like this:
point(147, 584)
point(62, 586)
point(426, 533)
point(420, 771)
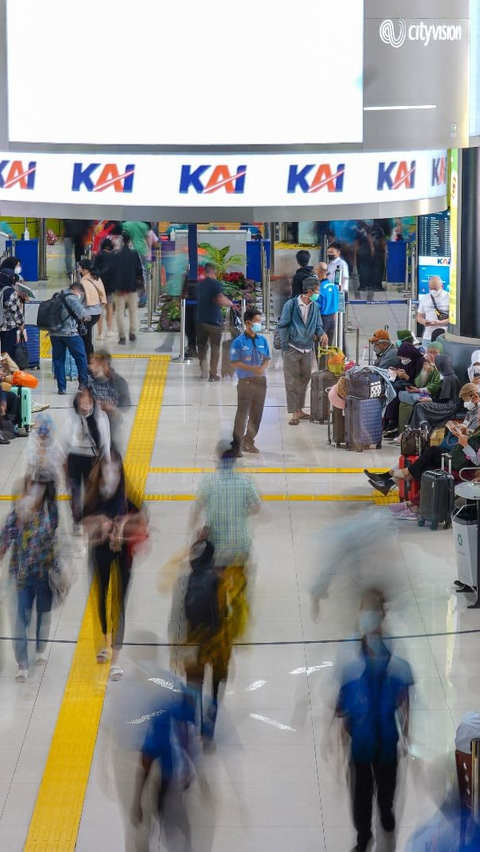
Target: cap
point(467, 390)
point(381, 334)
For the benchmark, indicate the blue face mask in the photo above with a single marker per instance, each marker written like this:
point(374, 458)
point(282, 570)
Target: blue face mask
point(314, 297)
point(256, 327)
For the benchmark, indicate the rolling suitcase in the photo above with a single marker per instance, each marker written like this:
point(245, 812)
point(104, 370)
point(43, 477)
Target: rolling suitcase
point(227, 369)
point(363, 423)
point(437, 496)
point(319, 402)
point(408, 488)
point(336, 426)
point(25, 399)
point(33, 347)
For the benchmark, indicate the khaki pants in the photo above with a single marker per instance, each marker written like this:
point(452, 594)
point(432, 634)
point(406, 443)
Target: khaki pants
point(121, 300)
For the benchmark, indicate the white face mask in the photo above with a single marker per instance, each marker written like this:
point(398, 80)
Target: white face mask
point(18, 269)
point(470, 404)
point(369, 620)
point(405, 361)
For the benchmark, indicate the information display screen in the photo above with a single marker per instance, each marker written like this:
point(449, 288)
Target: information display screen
point(216, 72)
point(434, 247)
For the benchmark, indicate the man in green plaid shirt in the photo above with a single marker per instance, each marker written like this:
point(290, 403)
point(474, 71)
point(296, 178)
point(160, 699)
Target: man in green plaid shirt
point(228, 498)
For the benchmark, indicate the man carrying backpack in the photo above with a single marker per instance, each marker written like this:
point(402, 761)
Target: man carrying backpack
point(68, 313)
point(11, 314)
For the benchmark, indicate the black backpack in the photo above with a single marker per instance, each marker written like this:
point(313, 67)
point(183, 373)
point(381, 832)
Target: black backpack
point(201, 599)
point(51, 312)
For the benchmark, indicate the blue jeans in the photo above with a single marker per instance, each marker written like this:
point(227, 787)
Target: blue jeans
point(409, 398)
point(76, 347)
point(40, 592)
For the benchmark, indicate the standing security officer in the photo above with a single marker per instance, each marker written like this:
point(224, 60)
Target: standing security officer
point(250, 356)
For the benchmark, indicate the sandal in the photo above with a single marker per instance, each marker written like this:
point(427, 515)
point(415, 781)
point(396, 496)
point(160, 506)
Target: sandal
point(103, 656)
point(116, 673)
point(294, 421)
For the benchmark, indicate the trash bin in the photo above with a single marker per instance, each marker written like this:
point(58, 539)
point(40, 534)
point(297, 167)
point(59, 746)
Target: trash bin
point(464, 525)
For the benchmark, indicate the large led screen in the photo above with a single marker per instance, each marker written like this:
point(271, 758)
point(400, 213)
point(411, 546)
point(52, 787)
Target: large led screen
point(188, 72)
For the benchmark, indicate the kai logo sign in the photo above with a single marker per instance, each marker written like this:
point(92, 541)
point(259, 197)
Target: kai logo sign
point(208, 179)
point(439, 171)
point(97, 177)
point(15, 173)
point(398, 174)
point(313, 178)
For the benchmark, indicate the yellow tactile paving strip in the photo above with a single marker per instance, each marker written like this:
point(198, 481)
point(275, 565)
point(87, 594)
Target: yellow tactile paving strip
point(373, 497)
point(268, 469)
point(58, 809)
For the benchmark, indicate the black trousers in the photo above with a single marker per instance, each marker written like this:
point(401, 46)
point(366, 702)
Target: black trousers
point(88, 337)
point(365, 777)
point(191, 325)
point(431, 459)
point(103, 560)
point(79, 469)
point(251, 400)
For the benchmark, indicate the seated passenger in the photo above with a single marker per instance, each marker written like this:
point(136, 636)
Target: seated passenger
point(426, 387)
point(385, 350)
point(436, 412)
point(411, 365)
point(465, 454)
point(474, 368)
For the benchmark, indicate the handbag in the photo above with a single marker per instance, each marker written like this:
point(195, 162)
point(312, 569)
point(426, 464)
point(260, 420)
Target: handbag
point(23, 380)
point(414, 441)
point(442, 315)
point(21, 353)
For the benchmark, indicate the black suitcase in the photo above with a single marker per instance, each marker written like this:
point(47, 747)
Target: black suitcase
point(437, 496)
point(363, 423)
point(227, 369)
point(319, 402)
point(336, 426)
point(364, 384)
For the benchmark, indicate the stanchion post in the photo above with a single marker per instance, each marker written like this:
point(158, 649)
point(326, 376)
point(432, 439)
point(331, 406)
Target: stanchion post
point(357, 345)
point(475, 749)
point(409, 316)
point(181, 358)
point(243, 306)
point(42, 250)
point(337, 325)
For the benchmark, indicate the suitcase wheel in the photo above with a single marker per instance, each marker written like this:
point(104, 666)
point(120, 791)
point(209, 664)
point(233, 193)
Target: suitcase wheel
point(421, 522)
point(434, 525)
point(379, 446)
point(447, 525)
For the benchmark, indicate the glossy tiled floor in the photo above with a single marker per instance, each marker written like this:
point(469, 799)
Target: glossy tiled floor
point(276, 779)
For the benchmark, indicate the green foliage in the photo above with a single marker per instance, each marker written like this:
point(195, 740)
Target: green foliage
point(173, 311)
point(220, 259)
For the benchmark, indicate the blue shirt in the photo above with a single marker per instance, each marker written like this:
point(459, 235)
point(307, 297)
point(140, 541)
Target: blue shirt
point(208, 309)
point(249, 350)
point(329, 297)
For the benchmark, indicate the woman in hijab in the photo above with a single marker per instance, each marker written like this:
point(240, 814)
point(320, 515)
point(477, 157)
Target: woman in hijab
point(412, 363)
point(436, 412)
point(474, 369)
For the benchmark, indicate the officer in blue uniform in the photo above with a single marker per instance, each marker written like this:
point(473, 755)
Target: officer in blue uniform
point(250, 356)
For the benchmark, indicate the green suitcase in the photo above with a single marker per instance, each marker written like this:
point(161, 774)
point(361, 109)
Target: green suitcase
point(25, 398)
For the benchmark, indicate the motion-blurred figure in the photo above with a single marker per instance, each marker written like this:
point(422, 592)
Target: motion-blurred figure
point(45, 456)
point(227, 498)
point(374, 705)
point(116, 527)
point(30, 532)
point(168, 743)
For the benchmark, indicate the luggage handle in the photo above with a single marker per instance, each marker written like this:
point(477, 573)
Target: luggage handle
point(444, 457)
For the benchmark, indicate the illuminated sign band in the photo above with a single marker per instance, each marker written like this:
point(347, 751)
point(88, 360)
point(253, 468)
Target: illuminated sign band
point(223, 180)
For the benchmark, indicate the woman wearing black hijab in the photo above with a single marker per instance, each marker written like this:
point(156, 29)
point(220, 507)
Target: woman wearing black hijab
point(435, 413)
point(412, 362)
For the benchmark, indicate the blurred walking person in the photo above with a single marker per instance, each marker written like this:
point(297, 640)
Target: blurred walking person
point(373, 704)
point(94, 300)
point(105, 266)
point(210, 300)
point(127, 280)
point(30, 532)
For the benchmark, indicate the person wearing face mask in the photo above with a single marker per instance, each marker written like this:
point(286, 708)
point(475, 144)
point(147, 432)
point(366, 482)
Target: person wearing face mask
point(385, 351)
point(474, 368)
point(30, 532)
point(67, 337)
point(436, 412)
point(299, 325)
point(427, 386)
point(250, 356)
point(433, 308)
point(108, 515)
point(328, 301)
point(411, 365)
point(335, 259)
point(86, 439)
point(373, 704)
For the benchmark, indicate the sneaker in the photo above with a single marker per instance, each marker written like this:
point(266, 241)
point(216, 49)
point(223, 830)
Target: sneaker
point(132, 337)
point(397, 440)
point(21, 432)
point(40, 659)
point(384, 487)
point(249, 448)
point(398, 508)
point(111, 333)
point(191, 353)
point(378, 477)
point(21, 675)
point(77, 529)
point(408, 515)
point(39, 406)
point(61, 392)
point(213, 378)
point(122, 341)
point(116, 673)
point(462, 587)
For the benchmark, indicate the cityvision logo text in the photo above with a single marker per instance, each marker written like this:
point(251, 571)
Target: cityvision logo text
point(207, 179)
point(322, 178)
point(87, 177)
point(14, 173)
point(398, 174)
point(439, 171)
point(395, 32)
